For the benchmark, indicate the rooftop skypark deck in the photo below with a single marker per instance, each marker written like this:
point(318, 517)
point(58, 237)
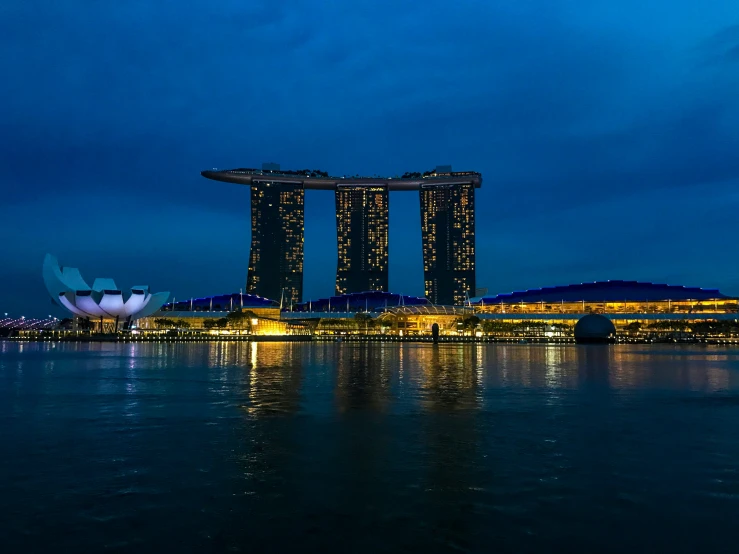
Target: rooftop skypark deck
point(320, 180)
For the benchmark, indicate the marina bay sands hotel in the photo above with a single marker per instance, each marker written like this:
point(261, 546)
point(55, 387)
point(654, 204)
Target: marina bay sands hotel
point(362, 206)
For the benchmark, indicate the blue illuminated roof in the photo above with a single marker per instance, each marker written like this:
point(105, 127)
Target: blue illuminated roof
point(604, 291)
point(221, 303)
point(360, 301)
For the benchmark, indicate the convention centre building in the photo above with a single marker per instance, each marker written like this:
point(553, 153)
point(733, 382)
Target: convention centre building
point(636, 309)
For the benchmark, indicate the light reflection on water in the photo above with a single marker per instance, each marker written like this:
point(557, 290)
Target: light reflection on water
point(367, 447)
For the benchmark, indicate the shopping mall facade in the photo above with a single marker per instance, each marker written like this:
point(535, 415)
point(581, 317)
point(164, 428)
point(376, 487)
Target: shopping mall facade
point(637, 310)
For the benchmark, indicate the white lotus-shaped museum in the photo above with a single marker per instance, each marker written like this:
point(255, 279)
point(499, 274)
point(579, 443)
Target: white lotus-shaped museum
point(102, 300)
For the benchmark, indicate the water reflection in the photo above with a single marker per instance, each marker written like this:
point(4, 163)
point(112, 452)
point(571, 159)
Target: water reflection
point(450, 445)
point(363, 377)
point(594, 365)
point(691, 368)
point(275, 372)
point(450, 377)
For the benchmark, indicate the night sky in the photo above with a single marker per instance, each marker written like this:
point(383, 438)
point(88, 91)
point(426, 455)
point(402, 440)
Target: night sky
point(607, 133)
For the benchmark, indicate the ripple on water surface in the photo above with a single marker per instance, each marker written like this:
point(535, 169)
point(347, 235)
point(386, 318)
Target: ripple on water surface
point(368, 447)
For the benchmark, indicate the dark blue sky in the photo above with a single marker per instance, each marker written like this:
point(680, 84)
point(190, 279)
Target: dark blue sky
point(607, 134)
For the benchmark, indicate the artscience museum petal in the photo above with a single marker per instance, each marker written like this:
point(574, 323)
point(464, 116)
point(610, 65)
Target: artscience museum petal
point(103, 300)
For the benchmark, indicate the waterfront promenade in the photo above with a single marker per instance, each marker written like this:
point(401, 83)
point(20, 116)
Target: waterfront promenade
point(195, 337)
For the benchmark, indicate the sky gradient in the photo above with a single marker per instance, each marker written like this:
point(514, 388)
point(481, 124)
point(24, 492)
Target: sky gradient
point(607, 134)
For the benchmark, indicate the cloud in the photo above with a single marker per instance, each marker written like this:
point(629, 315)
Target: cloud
point(722, 47)
point(567, 108)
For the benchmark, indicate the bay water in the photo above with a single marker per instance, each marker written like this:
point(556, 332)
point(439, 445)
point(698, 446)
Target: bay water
point(348, 447)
